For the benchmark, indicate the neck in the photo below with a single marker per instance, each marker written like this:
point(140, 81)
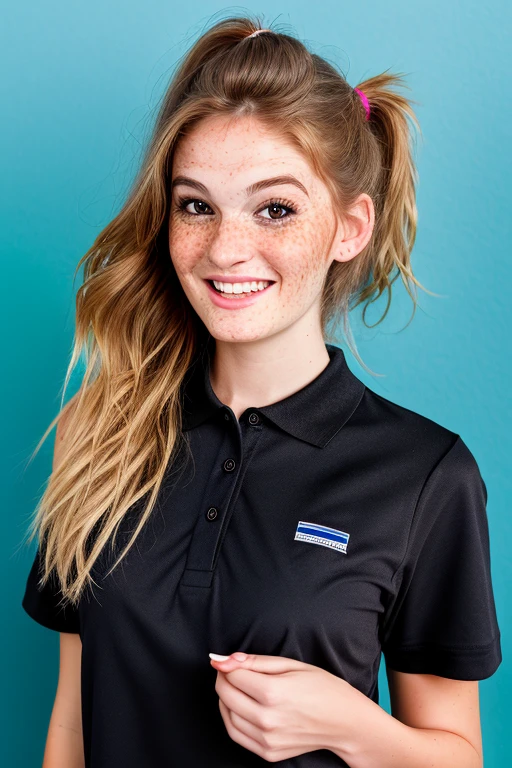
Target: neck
point(258, 373)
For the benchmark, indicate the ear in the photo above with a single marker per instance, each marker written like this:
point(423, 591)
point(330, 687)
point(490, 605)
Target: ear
point(354, 230)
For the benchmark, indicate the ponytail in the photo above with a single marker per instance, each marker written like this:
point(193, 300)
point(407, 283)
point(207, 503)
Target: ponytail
point(390, 118)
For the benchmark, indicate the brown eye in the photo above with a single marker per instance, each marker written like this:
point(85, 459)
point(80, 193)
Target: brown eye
point(275, 208)
point(183, 205)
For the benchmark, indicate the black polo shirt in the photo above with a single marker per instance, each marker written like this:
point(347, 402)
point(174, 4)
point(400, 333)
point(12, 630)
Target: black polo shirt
point(327, 527)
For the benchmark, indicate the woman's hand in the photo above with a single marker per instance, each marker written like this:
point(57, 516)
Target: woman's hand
point(278, 707)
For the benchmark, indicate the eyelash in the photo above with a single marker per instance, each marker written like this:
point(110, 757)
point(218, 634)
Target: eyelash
point(286, 205)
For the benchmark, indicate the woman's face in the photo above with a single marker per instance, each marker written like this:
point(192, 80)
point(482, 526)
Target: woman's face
point(286, 233)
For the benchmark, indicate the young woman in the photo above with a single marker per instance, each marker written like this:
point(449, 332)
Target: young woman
point(224, 484)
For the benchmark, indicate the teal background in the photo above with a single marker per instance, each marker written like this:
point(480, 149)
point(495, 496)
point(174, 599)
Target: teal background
point(80, 84)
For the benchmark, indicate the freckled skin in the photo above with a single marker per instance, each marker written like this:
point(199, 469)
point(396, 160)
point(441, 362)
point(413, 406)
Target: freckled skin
point(274, 347)
point(225, 233)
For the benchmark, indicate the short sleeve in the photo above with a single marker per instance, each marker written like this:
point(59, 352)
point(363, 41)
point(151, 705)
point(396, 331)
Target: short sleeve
point(42, 605)
point(442, 619)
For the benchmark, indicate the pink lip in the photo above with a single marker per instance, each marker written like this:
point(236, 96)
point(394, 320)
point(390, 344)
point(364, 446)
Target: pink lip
point(248, 299)
point(238, 279)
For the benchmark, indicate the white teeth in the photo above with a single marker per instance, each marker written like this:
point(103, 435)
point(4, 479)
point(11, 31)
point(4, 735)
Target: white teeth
point(241, 287)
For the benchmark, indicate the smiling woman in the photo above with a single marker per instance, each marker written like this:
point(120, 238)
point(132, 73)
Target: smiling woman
point(279, 506)
point(226, 237)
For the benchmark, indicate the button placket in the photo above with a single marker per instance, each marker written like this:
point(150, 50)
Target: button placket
point(212, 524)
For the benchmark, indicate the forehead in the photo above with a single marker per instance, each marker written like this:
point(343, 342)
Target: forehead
point(235, 147)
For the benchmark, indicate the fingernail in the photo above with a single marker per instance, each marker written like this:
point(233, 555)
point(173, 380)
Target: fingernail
point(218, 657)
point(239, 656)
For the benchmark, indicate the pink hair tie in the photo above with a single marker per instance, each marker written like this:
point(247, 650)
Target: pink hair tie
point(366, 103)
point(253, 34)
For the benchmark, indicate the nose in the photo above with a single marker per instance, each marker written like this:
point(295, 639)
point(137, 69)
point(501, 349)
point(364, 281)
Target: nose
point(228, 246)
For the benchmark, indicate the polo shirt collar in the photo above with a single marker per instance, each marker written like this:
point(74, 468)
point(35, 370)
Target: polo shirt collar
point(313, 414)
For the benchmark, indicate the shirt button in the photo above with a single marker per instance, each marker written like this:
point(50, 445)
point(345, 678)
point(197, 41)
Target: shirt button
point(229, 465)
point(212, 513)
point(226, 416)
point(254, 418)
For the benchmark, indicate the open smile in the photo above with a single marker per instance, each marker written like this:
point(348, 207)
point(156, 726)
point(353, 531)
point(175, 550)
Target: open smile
point(235, 300)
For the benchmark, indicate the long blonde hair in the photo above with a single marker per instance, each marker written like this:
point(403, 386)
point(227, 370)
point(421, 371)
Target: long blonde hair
point(137, 330)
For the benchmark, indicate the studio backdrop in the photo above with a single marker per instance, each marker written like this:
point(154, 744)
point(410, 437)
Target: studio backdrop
point(81, 84)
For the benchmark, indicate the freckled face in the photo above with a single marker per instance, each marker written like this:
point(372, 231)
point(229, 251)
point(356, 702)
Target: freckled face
point(279, 233)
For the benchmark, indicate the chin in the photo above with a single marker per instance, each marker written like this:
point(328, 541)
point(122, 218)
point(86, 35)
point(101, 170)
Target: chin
point(242, 337)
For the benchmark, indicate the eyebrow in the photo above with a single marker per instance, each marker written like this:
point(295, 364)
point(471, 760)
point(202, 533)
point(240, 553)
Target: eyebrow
point(251, 189)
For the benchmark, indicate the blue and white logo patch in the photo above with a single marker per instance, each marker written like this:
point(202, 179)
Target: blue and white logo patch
point(323, 535)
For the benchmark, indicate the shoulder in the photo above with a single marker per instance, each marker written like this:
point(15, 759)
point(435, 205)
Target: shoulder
point(407, 437)
point(381, 412)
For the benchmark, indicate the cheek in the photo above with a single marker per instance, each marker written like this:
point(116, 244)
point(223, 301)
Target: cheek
point(187, 243)
point(302, 256)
